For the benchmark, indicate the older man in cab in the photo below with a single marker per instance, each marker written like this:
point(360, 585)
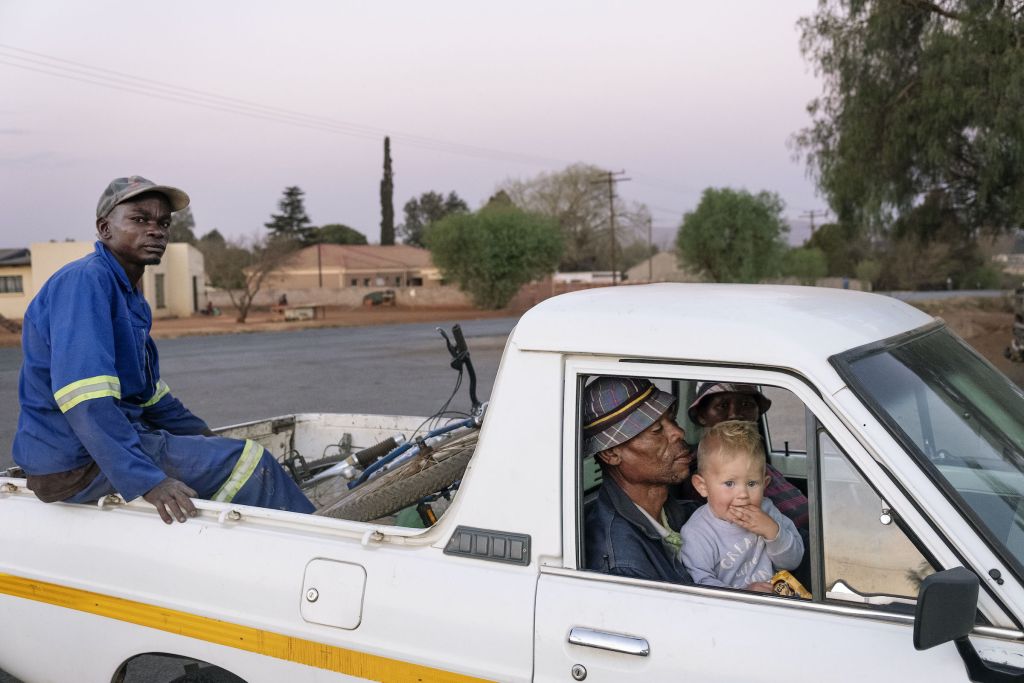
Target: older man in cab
point(633, 528)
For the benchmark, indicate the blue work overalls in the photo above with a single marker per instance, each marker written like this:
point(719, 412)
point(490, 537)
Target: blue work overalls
point(90, 390)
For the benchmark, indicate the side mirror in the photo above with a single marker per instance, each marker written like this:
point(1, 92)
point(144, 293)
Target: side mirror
point(946, 607)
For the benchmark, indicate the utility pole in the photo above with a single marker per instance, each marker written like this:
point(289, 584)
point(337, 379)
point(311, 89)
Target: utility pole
point(811, 214)
point(612, 177)
point(650, 250)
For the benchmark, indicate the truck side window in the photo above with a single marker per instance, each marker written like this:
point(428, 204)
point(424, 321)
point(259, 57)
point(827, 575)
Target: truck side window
point(785, 422)
point(786, 434)
point(866, 560)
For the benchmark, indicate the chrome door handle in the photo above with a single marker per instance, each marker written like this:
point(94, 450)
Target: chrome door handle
point(616, 642)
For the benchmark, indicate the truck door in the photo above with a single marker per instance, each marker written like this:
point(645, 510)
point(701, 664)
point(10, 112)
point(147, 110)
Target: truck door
point(869, 549)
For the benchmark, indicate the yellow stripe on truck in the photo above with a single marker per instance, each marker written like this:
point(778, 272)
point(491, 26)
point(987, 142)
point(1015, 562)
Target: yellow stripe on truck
point(267, 643)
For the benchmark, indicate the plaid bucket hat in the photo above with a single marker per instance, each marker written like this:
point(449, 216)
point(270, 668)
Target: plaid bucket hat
point(708, 389)
point(122, 189)
point(615, 409)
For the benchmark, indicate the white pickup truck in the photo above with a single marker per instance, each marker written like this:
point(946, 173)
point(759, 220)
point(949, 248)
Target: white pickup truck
point(908, 445)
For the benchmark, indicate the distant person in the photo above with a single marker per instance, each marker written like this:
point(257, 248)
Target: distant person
point(282, 300)
point(96, 416)
point(738, 539)
point(720, 401)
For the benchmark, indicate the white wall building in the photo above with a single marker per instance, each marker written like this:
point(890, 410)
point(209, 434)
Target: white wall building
point(175, 288)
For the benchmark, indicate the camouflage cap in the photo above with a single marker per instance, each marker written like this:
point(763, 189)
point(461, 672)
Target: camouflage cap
point(121, 189)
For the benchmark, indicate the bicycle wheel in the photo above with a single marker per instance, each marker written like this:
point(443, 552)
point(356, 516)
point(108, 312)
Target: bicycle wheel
point(407, 483)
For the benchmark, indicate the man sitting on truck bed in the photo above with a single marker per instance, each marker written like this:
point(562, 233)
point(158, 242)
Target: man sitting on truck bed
point(629, 424)
point(96, 418)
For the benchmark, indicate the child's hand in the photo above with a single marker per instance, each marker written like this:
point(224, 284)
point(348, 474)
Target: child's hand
point(760, 587)
point(753, 518)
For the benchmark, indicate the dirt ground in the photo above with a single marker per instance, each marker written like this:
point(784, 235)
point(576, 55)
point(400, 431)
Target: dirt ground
point(335, 316)
point(984, 323)
point(265, 321)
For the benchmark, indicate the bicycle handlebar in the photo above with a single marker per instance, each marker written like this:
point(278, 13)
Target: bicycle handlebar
point(459, 351)
point(460, 341)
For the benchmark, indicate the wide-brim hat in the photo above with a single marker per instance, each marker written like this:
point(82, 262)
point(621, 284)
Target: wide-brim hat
point(122, 189)
point(615, 409)
point(708, 389)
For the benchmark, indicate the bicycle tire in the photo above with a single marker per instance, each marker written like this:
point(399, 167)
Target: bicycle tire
point(406, 484)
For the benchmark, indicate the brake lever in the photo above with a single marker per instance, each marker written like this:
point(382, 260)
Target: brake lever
point(447, 341)
point(458, 358)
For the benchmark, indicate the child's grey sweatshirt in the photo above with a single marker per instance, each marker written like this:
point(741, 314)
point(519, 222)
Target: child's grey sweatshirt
point(720, 553)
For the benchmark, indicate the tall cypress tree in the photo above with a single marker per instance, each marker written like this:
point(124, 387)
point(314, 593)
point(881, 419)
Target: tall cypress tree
point(387, 207)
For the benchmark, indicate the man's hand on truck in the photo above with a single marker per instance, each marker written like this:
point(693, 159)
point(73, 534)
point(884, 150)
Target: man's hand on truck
point(172, 499)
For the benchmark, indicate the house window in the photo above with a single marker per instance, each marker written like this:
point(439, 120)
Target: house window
point(354, 282)
point(366, 282)
point(10, 284)
point(398, 281)
point(161, 301)
point(415, 282)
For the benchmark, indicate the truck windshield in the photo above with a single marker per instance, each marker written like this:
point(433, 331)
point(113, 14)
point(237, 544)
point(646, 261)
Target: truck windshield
point(961, 418)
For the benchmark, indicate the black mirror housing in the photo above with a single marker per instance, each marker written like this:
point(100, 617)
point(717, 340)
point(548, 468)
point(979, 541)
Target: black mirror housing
point(946, 607)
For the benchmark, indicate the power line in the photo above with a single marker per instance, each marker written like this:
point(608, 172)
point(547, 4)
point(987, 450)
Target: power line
point(811, 214)
point(654, 181)
point(665, 209)
point(116, 80)
point(38, 62)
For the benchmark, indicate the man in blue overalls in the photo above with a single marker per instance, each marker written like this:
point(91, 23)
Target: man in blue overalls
point(96, 418)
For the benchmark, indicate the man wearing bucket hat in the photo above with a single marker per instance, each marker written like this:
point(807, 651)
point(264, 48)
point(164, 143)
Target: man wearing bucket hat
point(96, 417)
point(719, 401)
point(632, 530)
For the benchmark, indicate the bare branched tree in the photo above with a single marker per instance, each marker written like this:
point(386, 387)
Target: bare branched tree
point(240, 267)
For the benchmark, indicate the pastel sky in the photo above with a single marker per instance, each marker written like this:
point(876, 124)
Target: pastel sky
point(681, 95)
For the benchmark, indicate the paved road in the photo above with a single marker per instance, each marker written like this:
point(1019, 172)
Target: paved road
point(397, 369)
point(943, 294)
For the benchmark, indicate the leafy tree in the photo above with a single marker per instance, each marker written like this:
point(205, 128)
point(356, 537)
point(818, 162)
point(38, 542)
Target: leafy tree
point(240, 267)
point(387, 204)
point(806, 264)
point(911, 263)
point(920, 96)
point(428, 208)
point(292, 223)
point(336, 233)
point(868, 271)
point(842, 246)
point(734, 236)
point(928, 245)
point(182, 226)
point(213, 237)
point(577, 198)
point(495, 251)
